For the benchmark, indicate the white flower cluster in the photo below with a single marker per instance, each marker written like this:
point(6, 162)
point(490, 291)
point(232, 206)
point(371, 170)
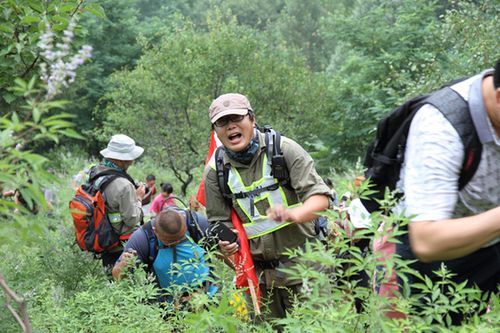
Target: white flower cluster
point(306, 287)
point(59, 68)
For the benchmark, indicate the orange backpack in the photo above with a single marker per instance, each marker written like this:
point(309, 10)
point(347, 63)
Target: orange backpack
point(93, 230)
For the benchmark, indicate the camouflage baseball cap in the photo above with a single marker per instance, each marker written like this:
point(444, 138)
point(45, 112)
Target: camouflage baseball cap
point(228, 104)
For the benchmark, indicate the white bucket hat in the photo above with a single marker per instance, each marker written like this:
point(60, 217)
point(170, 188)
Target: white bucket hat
point(123, 148)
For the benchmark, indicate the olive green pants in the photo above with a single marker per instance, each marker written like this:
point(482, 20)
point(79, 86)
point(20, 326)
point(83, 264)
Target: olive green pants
point(278, 300)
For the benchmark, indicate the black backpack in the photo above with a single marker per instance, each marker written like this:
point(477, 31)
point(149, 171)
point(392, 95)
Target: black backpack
point(385, 154)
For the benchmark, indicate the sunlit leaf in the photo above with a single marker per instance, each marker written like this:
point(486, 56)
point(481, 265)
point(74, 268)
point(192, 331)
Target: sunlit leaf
point(30, 19)
point(36, 114)
point(72, 134)
point(96, 9)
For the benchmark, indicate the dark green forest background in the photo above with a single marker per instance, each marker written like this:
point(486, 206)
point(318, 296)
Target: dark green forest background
point(322, 72)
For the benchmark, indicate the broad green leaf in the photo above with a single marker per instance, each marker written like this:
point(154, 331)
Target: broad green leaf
point(72, 133)
point(57, 123)
point(15, 118)
point(53, 137)
point(30, 19)
point(62, 20)
point(31, 83)
point(35, 158)
point(20, 83)
point(435, 294)
point(59, 104)
point(67, 8)
point(96, 9)
point(8, 97)
point(6, 138)
point(6, 28)
point(36, 6)
point(41, 25)
point(36, 114)
point(59, 27)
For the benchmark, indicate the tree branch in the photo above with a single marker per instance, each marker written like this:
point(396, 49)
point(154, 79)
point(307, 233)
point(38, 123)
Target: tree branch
point(189, 143)
point(77, 7)
point(186, 106)
point(21, 318)
point(30, 67)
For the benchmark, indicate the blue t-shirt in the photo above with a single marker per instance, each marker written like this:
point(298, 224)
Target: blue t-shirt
point(189, 268)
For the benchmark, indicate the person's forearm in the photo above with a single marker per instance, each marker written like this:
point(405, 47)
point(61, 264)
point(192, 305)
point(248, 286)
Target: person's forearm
point(307, 211)
point(453, 238)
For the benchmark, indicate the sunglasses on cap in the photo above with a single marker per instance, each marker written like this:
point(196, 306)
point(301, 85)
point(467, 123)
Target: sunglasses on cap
point(234, 118)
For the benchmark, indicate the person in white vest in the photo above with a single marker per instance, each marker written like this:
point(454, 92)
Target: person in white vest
point(459, 227)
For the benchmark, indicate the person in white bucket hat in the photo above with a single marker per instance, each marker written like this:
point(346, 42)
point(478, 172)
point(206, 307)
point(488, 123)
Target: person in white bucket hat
point(123, 197)
point(122, 148)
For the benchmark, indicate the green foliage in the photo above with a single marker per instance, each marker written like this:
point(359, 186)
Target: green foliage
point(299, 26)
point(21, 24)
point(166, 96)
point(385, 52)
point(113, 38)
point(321, 72)
point(31, 117)
point(259, 14)
point(68, 291)
point(21, 168)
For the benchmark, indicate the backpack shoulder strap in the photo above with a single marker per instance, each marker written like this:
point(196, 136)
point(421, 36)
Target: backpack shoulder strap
point(456, 110)
point(275, 156)
point(110, 176)
point(193, 226)
point(222, 171)
point(152, 243)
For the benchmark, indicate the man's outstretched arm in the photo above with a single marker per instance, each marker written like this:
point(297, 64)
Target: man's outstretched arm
point(453, 238)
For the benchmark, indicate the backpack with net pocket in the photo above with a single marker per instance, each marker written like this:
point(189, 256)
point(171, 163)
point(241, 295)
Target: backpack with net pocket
point(385, 155)
point(93, 229)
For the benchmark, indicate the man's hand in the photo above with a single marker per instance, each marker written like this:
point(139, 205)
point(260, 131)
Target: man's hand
point(128, 256)
point(281, 214)
point(140, 192)
point(125, 259)
point(228, 249)
point(302, 213)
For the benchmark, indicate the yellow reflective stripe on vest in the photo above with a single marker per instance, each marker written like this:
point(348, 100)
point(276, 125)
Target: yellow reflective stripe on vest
point(259, 224)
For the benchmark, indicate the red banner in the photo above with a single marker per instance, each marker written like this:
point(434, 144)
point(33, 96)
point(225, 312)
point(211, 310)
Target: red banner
point(246, 276)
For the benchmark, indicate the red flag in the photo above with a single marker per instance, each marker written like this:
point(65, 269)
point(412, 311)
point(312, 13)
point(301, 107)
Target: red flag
point(214, 142)
point(246, 277)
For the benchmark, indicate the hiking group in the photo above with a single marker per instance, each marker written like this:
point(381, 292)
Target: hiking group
point(440, 153)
